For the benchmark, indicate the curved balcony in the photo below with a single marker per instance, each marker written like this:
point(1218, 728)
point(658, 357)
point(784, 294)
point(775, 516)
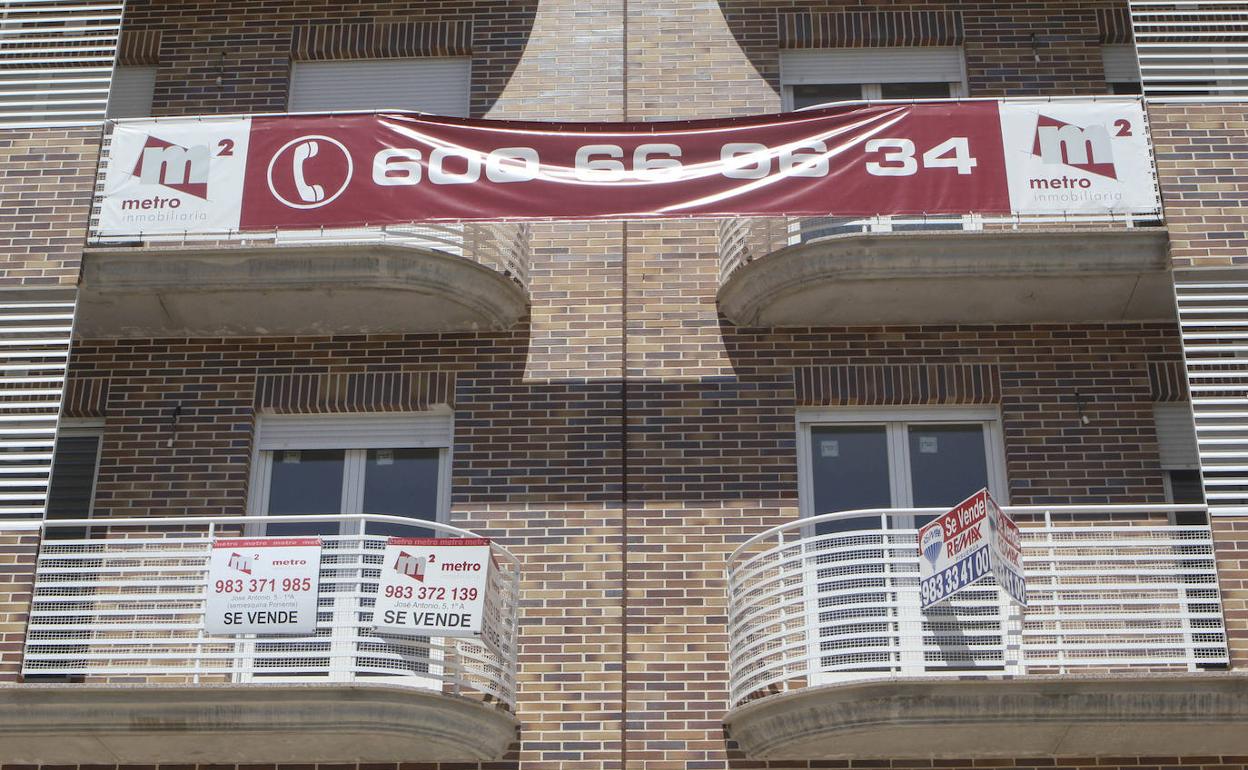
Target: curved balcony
point(1116, 653)
point(116, 662)
point(892, 270)
point(426, 278)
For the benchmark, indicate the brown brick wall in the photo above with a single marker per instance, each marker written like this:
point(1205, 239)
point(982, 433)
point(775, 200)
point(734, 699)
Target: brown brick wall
point(624, 650)
point(1202, 156)
point(17, 560)
point(236, 57)
point(45, 188)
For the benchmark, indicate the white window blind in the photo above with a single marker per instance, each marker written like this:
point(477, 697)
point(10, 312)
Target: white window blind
point(1120, 64)
point(1176, 437)
point(355, 431)
point(872, 65)
point(434, 85)
point(131, 94)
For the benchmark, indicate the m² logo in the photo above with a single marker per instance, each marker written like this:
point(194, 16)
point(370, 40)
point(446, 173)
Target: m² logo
point(184, 169)
point(240, 563)
point(310, 172)
point(412, 566)
point(1088, 148)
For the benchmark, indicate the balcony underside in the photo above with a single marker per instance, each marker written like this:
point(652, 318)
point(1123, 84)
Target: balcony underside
point(1071, 715)
point(284, 290)
point(248, 723)
point(956, 277)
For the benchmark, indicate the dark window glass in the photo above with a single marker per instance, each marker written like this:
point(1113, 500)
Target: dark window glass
point(1126, 87)
point(914, 90)
point(304, 482)
point(72, 486)
point(849, 471)
point(948, 464)
point(1187, 488)
point(401, 482)
point(813, 95)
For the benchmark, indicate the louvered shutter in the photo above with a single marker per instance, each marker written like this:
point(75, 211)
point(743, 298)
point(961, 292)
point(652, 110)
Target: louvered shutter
point(56, 59)
point(434, 85)
point(872, 65)
point(355, 431)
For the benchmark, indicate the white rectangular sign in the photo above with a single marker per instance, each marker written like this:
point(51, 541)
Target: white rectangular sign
point(1078, 157)
point(433, 586)
point(263, 585)
point(973, 539)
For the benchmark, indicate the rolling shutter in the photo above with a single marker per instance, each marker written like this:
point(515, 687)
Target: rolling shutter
point(131, 94)
point(434, 85)
point(355, 431)
point(1120, 64)
point(872, 65)
point(1176, 437)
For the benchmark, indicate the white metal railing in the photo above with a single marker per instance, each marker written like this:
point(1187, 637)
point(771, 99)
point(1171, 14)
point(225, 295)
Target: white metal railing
point(123, 600)
point(1110, 589)
point(744, 239)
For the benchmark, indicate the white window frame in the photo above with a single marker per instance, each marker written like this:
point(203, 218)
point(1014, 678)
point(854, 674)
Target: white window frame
point(80, 427)
point(896, 420)
point(355, 456)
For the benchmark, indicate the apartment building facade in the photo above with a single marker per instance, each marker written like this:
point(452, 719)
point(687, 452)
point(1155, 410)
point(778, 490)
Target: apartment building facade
point(699, 447)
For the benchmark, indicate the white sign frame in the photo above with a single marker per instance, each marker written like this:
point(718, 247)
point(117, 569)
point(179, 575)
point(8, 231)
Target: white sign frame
point(250, 577)
point(430, 579)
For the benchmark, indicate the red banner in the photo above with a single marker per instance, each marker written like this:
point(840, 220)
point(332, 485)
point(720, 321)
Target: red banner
point(355, 170)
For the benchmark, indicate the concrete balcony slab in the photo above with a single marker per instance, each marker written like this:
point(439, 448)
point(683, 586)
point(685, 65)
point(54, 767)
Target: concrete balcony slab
point(247, 290)
point(968, 277)
point(934, 718)
point(246, 724)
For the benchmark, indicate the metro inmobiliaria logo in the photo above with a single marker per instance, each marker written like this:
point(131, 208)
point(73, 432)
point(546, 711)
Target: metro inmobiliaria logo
point(1059, 143)
point(411, 566)
point(241, 563)
point(182, 169)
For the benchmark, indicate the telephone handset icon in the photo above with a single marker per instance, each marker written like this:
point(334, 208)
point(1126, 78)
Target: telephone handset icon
point(309, 193)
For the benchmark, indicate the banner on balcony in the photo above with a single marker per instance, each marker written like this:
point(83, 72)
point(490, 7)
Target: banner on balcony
point(972, 540)
point(216, 175)
point(263, 585)
point(434, 587)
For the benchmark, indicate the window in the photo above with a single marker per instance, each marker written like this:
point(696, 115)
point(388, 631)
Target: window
point(436, 85)
point(1180, 459)
point(897, 458)
point(396, 465)
point(1122, 72)
point(821, 75)
point(131, 92)
point(75, 465)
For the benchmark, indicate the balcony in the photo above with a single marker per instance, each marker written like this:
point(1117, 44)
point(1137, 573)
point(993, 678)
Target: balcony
point(1118, 652)
point(820, 272)
point(427, 278)
point(116, 663)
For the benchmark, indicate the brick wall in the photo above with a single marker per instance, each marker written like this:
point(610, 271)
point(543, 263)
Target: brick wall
point(44, 203)
point(623, 654)
point(17, 560)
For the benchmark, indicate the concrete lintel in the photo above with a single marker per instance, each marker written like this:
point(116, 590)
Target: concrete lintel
point(937, 718)
point(245, 724)
point(956, 277)
point(266, 289)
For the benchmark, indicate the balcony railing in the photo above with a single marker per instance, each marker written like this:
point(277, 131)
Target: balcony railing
point(1111, 589)
point(122, 600)
point(744, 239)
